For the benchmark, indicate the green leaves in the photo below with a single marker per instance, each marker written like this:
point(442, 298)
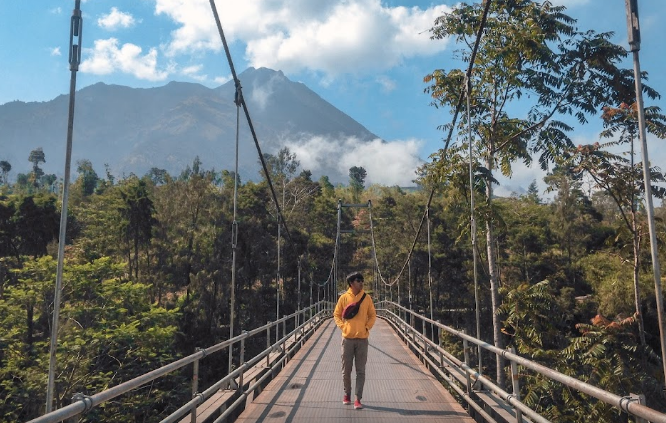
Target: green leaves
point(109, 332)
point(605, 354)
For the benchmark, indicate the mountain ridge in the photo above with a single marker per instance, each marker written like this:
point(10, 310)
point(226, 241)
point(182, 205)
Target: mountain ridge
point(135, 129)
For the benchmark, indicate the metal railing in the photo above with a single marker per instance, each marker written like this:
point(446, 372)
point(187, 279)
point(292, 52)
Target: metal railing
point(284, 343)
point(454, 371)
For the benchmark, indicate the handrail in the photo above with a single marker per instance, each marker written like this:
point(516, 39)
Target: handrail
point(626, 403)
point(83, 403)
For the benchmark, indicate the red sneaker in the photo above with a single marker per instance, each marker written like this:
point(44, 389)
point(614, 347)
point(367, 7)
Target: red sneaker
point(346, 400)
point(358, 405)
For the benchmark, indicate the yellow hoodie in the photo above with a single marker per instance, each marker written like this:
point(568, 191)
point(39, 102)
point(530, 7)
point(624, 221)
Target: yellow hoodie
point(358, 327)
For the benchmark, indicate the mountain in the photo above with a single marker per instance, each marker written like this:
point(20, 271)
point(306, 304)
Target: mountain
point(133, 129)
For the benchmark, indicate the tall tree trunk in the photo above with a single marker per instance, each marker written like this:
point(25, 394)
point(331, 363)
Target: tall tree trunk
point(31, 330)
point(494, 278)
point(136, 256)
point(637, 295)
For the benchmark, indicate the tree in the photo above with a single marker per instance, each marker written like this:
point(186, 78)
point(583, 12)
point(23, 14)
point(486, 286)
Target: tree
point(533, 53)
point(357, 176)
point(526, 240)
point(37, 223)
point(281, 168)
point(5, 167)
point(36, 157)
point(622, 180)
point(110, 333)
point(326, 185)
point(87, 176)
point(603, 354)
point(158, 176)
point(138, 219)
point(533, 193)
point(8, 232)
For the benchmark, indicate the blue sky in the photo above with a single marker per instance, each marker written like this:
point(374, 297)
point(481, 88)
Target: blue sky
point(366, 57)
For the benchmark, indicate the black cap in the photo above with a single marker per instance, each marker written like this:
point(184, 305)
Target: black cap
point(352, 276)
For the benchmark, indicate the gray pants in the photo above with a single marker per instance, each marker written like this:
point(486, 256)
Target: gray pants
point(354, 350)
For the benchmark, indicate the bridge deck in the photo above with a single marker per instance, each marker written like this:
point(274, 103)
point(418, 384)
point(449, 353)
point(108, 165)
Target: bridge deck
point(398, 387)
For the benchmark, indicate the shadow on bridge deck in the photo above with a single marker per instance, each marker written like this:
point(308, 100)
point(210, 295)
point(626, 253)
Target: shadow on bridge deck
point(398, 387)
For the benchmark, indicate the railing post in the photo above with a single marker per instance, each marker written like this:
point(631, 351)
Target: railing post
point(439, 342)
point(195, 385)
point(296, 328)
point(412, 323)
point(425, 343)
point(284, 336)
point(241, 361)
point(466, 358)
point(268, 342)
point(515, 382)
point(432, 331)
point(425, 336)
point(231, 360)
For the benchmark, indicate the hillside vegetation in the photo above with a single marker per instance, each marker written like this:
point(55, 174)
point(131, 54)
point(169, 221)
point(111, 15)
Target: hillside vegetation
point(148, 268)
point(568, 282)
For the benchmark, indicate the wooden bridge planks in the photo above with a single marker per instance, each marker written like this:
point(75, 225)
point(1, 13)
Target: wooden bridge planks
point(398, 387)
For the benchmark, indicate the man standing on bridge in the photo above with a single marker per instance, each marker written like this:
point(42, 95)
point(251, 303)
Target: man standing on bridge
point(355, 315)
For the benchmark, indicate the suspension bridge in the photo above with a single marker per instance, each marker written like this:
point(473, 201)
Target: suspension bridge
point(411, 376)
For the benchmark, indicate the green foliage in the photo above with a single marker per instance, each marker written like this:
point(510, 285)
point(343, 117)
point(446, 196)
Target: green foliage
point(357, 177)
point(109, 333)
point(535, 321)
point(149, 260)
point(5, 168)
point(605, 354)
point(88, 179)
point(611, 280)
point(137, 219)
point(28, 224)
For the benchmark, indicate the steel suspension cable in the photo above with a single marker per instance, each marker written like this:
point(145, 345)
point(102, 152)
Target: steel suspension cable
point(76, 33)
point(282, 223)
point(429, 266)
point(234, 230)
point(461, 97)
point(468, 73)
point(472, 222)
point(249, 120)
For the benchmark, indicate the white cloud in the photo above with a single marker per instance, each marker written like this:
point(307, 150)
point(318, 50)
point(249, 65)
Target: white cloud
point(197, 29)
point(193, 72)
point(523, 175)
point(358, 36)
point(116, 19)
point(221, 80)
point(56, 51)
point(386, 83)
point(386, 163)
point(56, 10)
point(332, 37)
point(106, 57)
point(261, 94)
point(570, 3)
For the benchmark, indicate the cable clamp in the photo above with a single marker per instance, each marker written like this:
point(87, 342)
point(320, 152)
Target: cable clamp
point(200, 397)
point(87, 401)
point(238, 96)
point(625, 401)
